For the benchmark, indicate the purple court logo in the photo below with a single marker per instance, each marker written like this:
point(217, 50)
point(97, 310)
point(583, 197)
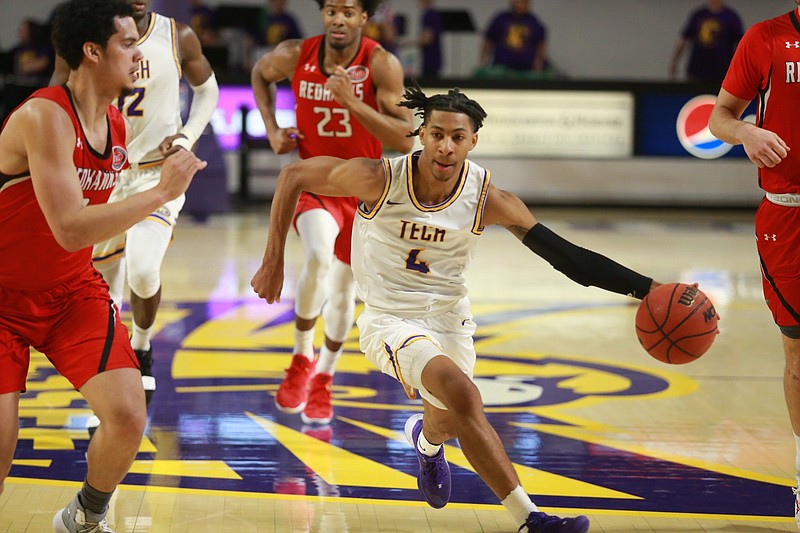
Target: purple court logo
point(693, 132)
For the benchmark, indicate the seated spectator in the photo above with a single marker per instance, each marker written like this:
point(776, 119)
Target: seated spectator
point(714, 31)
point(515, 40)
point(203, 22)
point(30, 64)
point(281, 25)
point(33, 55)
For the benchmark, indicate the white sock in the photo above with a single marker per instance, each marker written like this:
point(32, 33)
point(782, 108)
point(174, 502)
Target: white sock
point(140, 338)
point(326, 364)
point(304, 343)
point(519, 504)
point(426, 447)
point(797, 458)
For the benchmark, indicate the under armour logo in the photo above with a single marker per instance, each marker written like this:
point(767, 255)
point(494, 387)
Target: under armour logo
point(790, 44)
point(768, 237)
point(311, 68)
point(79, 145)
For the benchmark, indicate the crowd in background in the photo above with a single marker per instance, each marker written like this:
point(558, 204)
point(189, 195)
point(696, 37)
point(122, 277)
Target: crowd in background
point(513, 45)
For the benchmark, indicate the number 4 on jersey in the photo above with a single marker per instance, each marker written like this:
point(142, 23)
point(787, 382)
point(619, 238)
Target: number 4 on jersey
point(413, 262)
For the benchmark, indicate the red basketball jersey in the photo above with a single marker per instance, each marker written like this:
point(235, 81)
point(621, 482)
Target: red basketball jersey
point(767, 64)
point(328, 127)
point(32, 259)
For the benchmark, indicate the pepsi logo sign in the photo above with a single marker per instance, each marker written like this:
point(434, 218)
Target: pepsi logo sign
point(693, 132)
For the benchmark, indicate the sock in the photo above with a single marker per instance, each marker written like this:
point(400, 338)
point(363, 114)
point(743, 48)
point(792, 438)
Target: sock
point(797, 459)
point(140, 338)
point(93, 500)
point(519, 504)
point(304, 343)
point(426, 447)
point(326, 364)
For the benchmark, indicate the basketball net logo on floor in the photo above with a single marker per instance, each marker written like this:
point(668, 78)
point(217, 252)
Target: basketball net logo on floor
point(213, 424)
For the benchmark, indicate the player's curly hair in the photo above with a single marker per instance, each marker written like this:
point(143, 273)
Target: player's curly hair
point(454, 101)
point(367, 5)
point(85, 21)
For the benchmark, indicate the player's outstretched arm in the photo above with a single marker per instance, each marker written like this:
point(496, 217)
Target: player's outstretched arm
point(579, 264)
point(57, 185)
point(329, 176)
point(763, 147)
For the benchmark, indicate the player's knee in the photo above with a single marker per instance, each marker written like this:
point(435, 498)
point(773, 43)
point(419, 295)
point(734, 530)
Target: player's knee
point(127, 422)
point(462, 396)
point(318, 262)
point(144, 282)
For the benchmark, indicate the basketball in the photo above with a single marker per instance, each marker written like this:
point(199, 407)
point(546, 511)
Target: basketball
point(676, 323)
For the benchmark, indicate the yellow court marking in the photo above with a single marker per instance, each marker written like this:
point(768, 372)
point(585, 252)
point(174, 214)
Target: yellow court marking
point(586, 436)
point(43, 463)
point(397, 503)
point(336, 466)
point(178, 468)
point(533, 480)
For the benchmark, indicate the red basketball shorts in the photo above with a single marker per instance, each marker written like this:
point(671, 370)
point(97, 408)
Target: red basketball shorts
point(343, 210)
point(778, 241)
point(75, 325)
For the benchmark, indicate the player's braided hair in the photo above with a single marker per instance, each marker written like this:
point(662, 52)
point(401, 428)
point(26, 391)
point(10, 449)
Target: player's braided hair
point(367, 5)
point(454, 101)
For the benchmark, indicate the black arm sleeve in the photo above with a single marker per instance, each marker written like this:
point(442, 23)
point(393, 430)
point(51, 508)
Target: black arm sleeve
point(585, 266)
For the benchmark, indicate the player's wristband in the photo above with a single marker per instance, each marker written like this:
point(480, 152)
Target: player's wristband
point(204, 102)
point(585, 266)
point(183, 143)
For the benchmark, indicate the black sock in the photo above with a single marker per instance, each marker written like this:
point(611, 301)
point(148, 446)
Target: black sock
point(93, 500)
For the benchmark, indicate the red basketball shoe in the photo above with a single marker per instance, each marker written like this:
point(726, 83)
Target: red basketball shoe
point(292, 393)
point(319, 409)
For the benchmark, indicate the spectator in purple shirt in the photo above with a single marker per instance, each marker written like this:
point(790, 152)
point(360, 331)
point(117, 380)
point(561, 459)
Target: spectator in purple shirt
point(429, 40)
point(280, 25)
point(714, 31)
point(515, 39)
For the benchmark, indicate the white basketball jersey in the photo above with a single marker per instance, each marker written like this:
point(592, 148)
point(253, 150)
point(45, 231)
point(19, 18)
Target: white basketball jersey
point(408, 258)
point(153, 109)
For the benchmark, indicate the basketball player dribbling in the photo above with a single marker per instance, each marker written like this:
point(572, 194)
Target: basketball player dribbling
point(418, 222)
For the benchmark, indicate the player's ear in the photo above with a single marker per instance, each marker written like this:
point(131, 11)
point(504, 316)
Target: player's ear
point(91, 51)
point(474, 141)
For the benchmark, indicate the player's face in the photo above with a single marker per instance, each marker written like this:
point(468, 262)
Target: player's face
point(446, 139)
point(122, 55)
point(343, 20)
point(140, 8)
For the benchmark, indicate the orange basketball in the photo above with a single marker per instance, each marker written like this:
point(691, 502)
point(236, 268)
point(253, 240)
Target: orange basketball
point(676, 323)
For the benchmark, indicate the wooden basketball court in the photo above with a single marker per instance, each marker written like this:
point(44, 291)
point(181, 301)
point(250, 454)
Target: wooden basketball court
point(593, 424)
